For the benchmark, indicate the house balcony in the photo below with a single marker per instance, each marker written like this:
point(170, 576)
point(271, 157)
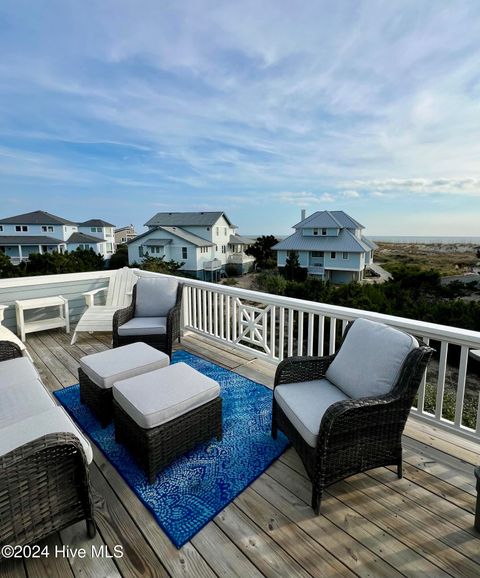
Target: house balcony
point(240, 258)
point(213, 265)
point(316, 270)
point(370, 524)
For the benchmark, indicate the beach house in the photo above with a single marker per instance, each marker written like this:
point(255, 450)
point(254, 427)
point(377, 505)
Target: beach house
point(329, 244)
point(42, 232)
point(206, 243)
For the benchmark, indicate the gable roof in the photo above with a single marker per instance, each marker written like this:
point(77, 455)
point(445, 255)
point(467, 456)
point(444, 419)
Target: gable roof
point(95, 223)
point(345, 241)
point(178, 232)
point(83, 238)
point(239, 240)
point(200, 219)
point(329, 220)
point(7, 240)
point(36, 218)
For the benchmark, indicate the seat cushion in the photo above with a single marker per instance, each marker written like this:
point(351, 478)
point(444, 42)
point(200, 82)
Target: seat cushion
point(23, 400)
point(107, 367)
point(155, 296)
point(54, 420)
point(305, 403)
point(157, 397)
point(144, 326)
point(18, 370)
point(370, 359)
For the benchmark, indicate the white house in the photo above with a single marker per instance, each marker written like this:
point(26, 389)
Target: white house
point(205, 242)
point(42, 232)
point(329, 244)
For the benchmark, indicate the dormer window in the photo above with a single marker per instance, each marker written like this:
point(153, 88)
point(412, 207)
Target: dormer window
point(324, 232)
point(47, 229)
point(315, 231)
point(21, 228)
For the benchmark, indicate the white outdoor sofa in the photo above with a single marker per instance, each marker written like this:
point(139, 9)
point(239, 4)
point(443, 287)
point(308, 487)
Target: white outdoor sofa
point(44, 458)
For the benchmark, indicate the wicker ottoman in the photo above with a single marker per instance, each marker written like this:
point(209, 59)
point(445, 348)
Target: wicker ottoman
point(161, 415)
point(98, 372)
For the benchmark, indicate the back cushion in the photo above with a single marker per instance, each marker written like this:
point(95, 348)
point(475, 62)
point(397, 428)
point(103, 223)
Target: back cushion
point(370, 359)
point(155, 297)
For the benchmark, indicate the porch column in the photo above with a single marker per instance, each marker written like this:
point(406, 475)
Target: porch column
point(20, 255)
point(40, 249)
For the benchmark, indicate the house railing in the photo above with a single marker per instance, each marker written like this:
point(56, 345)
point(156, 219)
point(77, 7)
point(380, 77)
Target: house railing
point(274, 327)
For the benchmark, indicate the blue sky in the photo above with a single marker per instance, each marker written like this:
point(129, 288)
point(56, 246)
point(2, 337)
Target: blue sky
point(118, 109)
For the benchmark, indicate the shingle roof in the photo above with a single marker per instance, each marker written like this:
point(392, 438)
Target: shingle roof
point(156, 242)
point(329, 220)
point(83, 238)
point(95, 223)
point(201, 219)
point(28, 240)
point(345, 241)
point(186, 236)
point(36, 218)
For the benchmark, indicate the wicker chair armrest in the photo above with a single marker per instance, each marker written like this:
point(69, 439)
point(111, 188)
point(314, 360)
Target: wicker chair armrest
point(26, 451)
point(306, 368)
point(9, 350)
point(121, 316)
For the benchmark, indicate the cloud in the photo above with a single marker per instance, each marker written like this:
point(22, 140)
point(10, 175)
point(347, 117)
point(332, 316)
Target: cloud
point(350, 194)
point(465, 185)
point(303, 198)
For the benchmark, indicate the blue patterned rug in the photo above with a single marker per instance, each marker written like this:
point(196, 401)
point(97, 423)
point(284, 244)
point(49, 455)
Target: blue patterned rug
point(196, 487)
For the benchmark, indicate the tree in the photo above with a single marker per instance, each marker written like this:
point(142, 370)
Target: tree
point(262, 251)
point(292, 269)
point(120, 258)
point(159, 265)
point(6, 268)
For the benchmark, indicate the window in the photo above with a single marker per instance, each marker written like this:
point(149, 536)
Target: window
point(45, 228)
point(154, 250)
point(109, 247)
point(317, 253)
point(224, 248)
point(95, 229)
point(345, 255)
point(208, 228)
point(333, 255)
point(21, 228)
point(225, 231)
point(324, 231)
point(140, 251)
point(86, 246)
point(203, 249)
point(1, 228)
point(184, 252)
point(218, 231)
point(315, 231)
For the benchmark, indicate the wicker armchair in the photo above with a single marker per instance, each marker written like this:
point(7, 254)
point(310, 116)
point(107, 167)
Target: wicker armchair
point(354, 434)
point(44, 484)
point(164, 339)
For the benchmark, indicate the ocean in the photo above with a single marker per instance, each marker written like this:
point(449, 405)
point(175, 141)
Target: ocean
point(424, 240)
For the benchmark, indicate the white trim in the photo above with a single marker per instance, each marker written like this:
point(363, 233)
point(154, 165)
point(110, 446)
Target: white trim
point(53, 279)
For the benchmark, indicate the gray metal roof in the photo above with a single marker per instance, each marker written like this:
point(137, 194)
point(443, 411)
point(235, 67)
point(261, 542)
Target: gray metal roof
point(345, 241)
point(95, 223)
point(156, 242)
point(186, 236)
point(36, 218)
point(238, 240)
point(201, 219)
point(369, 243)
point(7, 240)
point(84, 238)
point(329, 220)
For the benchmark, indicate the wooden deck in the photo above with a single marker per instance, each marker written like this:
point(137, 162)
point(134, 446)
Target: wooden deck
point(371, 524)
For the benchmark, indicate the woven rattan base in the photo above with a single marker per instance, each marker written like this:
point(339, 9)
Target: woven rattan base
point(155, 448)
point(97, 399)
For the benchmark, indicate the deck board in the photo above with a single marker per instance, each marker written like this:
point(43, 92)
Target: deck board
point(371, 524)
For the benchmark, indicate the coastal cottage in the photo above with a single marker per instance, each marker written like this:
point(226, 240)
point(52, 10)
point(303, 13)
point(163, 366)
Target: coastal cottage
point(331, 245)
point(205, 242)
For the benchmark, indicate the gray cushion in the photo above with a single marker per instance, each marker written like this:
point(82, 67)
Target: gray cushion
point(144, 326)
point(155, 296)
point(23, 400)
point(106, 367)
point(162, 395)
point(305, 403)
point(15, 371)
point(370, 359)
point(55, 420)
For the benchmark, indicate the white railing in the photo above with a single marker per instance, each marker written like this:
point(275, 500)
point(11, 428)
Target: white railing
point(275, 327)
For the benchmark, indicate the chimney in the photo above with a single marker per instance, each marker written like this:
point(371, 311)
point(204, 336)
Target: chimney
point(304, 215)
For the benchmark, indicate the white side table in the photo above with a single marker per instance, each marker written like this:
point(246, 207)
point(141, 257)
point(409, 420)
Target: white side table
point(61, 320)
point(7, 335)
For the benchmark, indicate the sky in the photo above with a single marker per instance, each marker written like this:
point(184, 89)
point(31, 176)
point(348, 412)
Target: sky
point(118, 109)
